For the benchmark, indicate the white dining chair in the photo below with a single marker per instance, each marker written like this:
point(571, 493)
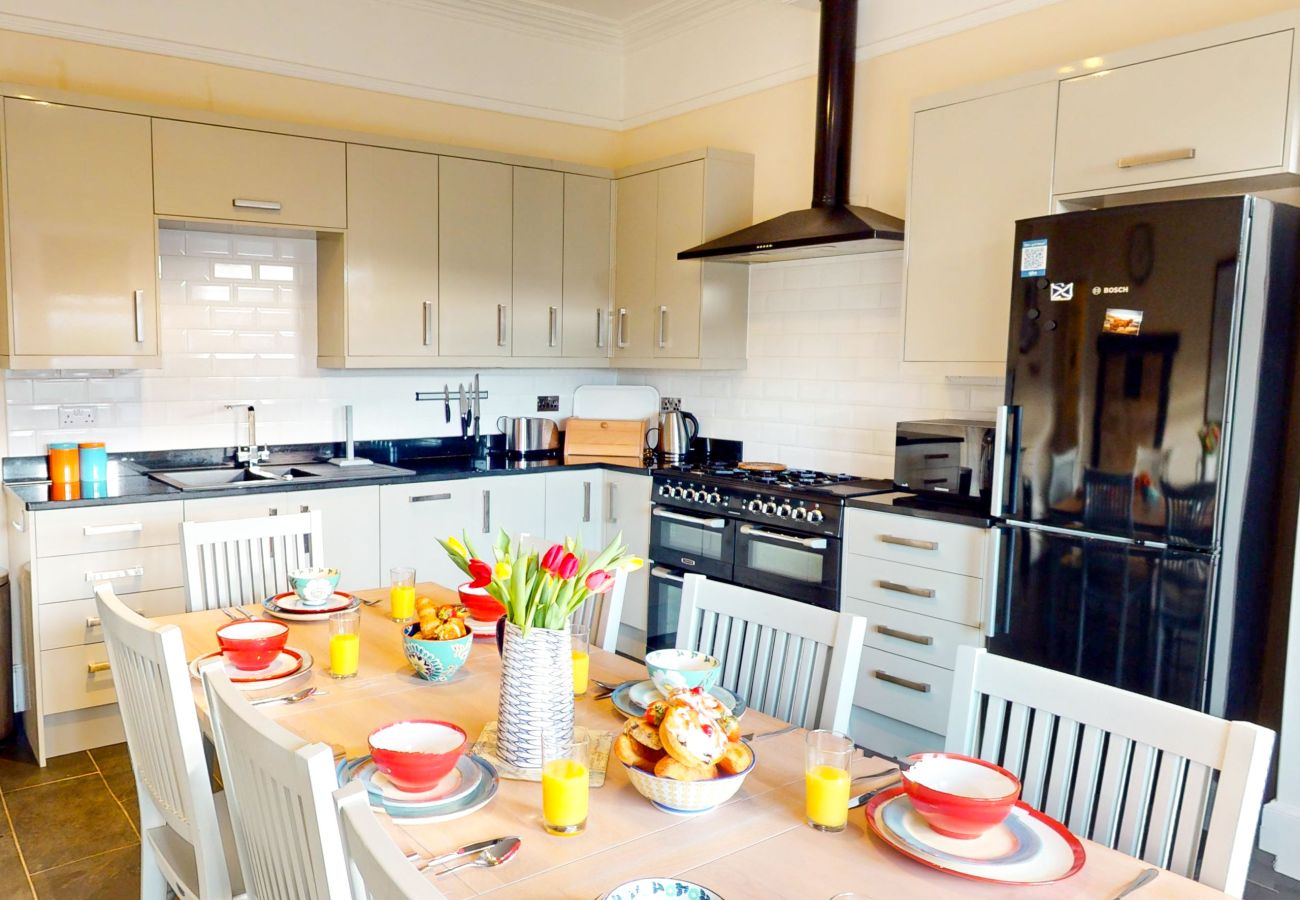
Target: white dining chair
point(185, 839)
point(279, 789)
point(602, 613)
point(1173, 786)
point(377, 869)
point(788, 659)
point(241, 561)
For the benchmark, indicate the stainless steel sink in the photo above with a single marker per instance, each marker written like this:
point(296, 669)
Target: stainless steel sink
point(214, 478)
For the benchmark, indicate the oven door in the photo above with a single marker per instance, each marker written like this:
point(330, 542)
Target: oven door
point(799, 566)
point(694, 542)
point(663, 608)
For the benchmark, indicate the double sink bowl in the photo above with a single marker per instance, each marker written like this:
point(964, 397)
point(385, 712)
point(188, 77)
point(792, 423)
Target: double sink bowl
point(225, 477)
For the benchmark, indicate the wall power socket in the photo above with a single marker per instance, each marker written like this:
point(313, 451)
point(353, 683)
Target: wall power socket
point(76, 416)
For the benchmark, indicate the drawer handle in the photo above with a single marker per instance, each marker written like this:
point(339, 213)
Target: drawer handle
point(937, 455)
point(909, 542)
point(133, 572)
point(94, 622)
point(919, 686)
point(934, 481)
point(1151, 159)
point(121, 528)
point(923, 639)
point(243, 203)
point(427, 498)
point(95, 667)
point(906, 589)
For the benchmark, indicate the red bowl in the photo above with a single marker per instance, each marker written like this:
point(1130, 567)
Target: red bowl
point(959, 796)
point(481, 605)
point(253, 644)
point(415, 754)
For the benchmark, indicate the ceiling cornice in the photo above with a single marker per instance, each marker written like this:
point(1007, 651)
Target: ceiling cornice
point(533, 17)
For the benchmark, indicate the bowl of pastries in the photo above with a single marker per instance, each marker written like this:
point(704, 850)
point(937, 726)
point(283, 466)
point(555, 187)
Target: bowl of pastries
point(685, 756)
point(439, 643)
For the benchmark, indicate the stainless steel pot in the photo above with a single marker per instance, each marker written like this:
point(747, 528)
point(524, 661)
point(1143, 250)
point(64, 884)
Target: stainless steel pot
point(529, 434)
point(673, 436)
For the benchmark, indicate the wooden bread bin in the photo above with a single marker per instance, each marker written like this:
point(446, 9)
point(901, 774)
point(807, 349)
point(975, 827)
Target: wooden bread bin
point(624, 438)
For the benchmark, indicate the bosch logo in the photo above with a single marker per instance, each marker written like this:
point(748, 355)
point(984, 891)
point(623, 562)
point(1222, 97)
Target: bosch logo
point(1110, 289)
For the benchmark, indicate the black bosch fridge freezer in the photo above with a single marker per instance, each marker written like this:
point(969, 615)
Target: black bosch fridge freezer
point(1141, 485)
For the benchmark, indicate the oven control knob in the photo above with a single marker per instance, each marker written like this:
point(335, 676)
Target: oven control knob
point(675, 491)
point(714, 499)
point(783, 511)
point(690, 494)
point(799, 514)
point(769, 508)
point(815, 516)
point(665, 490)
point(755, 505)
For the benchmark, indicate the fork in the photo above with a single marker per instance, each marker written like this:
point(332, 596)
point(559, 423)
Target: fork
point(373, 602)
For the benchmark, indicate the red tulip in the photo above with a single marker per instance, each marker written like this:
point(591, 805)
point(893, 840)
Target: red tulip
point(480, 573)
point(568, 566)
point(599, 581)
point(551, 559)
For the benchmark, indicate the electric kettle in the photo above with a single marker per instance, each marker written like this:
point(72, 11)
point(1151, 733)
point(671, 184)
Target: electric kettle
point(674, 434)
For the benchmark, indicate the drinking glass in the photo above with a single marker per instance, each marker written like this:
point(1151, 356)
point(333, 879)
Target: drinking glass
point(401, 593)
point(345, 643)
point(565, 781)
point(826, 779)
point(580, 635)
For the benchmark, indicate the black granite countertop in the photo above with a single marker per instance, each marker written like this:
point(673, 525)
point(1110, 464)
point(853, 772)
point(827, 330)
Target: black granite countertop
point(912, 505)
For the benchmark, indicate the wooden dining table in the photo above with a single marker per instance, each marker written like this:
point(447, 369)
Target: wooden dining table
point(755, 845)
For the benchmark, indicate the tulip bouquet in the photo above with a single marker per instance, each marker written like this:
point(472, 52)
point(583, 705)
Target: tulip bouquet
point(541, 589)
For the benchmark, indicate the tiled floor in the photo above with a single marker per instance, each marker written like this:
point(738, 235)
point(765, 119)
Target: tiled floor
point(70, 831)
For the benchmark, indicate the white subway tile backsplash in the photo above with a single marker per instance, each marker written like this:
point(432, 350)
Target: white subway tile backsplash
point(243, 271)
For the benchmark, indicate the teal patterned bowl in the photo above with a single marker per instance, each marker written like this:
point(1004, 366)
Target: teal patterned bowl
point(435, 660)
point(657, 888)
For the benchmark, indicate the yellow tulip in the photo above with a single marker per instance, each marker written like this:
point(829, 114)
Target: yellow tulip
point(502, 571)
point(455, 544)
point(631, 563)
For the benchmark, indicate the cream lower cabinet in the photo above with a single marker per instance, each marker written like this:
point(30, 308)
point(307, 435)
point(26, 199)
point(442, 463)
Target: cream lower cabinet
point(627, 512)
point(515, 504)
point(475, 257)
point(413, 516)
point(575, 508)
point(81, 239)
point(537, 300)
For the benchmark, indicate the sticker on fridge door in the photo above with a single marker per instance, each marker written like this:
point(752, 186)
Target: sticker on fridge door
point(1062, 291)
point(1123, 321)
point(1033, 258)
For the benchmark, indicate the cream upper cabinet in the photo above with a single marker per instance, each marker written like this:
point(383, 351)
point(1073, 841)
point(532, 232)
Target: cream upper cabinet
point(1212, 113)
point(537, 316)
point(387, 305)
point(215, 172)
point(634, 266)
point(82, 251)
point(960, 228)
point(475, 257)
point(587, 233)
point(679, 224)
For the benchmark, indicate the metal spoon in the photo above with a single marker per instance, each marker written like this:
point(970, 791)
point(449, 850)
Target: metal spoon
point(1146, 876)
point(752, 736)
point(495, 855)
point(295, 697)
point(609, 686)
point(373, 602)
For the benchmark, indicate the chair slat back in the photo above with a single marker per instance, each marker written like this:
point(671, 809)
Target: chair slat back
point(279, 790)
point(601, 614)
point(377, 869)
point(156, 702)
point(241, 561)
point(788, 659)
point(1173, 786)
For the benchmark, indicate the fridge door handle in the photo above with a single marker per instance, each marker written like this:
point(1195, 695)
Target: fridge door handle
point(1008, 426)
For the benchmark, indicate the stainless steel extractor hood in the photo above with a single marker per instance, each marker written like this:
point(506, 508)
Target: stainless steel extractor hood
point(831, 227)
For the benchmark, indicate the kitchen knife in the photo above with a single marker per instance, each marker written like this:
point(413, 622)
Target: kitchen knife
point(462, 410)
point(446, 403)
point(476, 404)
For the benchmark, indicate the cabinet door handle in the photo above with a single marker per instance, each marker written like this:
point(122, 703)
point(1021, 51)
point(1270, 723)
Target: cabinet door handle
point(94, 621)
point(663, 327)
point(914, 543)
point(613, 503)
point(919, 686)
point(600, 329)
point(427, 498)
point(1151, 159)
point(121, 528)
point(501, 324)
point(586, 501)
point(304, 508)
point(487, 512)
point(923, 639)
point(94, 667)
point(905, 589)
point(133, 572)
point(554, 320)
point(138, 299)
point(244, 203)
point(622, 327)
point(428, 323)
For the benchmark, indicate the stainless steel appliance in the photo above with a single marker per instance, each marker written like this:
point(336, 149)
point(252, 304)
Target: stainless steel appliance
point(946, 459)
point(528, 435)
point(1142, 448)
point(673, 435)
point(777, 532)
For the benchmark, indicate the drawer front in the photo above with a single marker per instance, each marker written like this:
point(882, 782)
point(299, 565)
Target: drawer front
point(63, 532)
point(76, 622)
point(913, 692)
point(941, 595)
point(915, 636)
point(248, 506)
point(67, 682)
point(213, 172)
point(915, 541)
point(130, 571)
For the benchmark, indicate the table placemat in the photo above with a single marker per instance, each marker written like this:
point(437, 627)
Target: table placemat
point(486, 747)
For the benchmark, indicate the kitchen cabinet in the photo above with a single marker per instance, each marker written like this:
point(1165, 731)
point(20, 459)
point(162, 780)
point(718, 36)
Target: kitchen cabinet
point(575, 508)
point(513, 503)
point(411, 516)
point(537, 299)
point(215, 172)
point(675, 313)
point(81, 238)
point(960, 229)
point(377, 284)
point(1215, 112)
point(587, 266)
point(475, 257)
point(627, 511)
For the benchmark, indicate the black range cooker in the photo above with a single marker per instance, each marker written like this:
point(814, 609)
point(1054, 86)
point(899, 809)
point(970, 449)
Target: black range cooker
point(777, 532)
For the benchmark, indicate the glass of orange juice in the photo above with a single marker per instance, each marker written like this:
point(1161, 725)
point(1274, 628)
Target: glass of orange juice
point(345, 643)
point(401, 593)
point(566, 759)
point(826, 779)
point(581, 653)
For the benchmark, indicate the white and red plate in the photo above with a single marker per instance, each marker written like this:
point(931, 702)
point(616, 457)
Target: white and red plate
point(479, 628)
point(1028, 848)
point(289, 602)
point(291, 663)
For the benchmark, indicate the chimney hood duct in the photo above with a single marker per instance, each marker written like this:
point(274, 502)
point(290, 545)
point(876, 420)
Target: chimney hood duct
point(831, 227)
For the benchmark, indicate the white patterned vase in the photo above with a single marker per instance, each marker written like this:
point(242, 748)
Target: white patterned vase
point(536, 693)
